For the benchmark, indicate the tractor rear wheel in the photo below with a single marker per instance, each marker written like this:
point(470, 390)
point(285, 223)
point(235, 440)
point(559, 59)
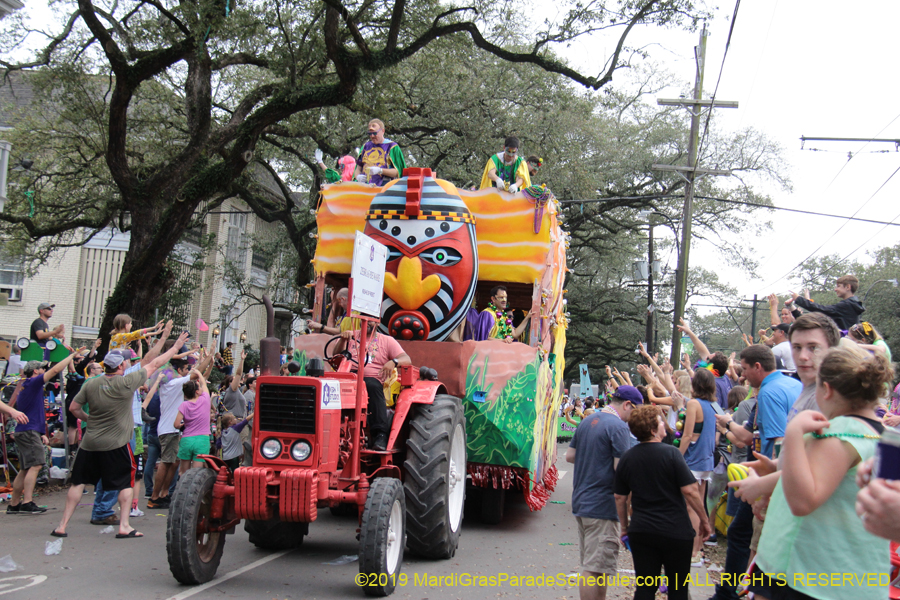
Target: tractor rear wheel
point(382, 537)
point(194, 552)
point(275, 534)
point(435, 483)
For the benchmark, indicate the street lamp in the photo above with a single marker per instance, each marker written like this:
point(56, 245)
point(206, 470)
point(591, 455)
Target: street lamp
point(216, 332)
point(893, 282)
point(243, 336)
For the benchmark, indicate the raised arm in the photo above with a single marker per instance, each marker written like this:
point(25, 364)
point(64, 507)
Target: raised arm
point(238, 371)
point(664, 378)
point(58, 367)
point(774, 318)
point(153, 353)
point(699, 346)
point(150, 393)
point(159, 361)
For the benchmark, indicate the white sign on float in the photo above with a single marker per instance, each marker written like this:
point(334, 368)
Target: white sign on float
point(369, 258)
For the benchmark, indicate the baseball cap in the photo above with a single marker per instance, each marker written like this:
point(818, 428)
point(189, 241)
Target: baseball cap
point(783, 327)
point(45, 305)
point(113, 359)
point(628, 393)
point(32, 365)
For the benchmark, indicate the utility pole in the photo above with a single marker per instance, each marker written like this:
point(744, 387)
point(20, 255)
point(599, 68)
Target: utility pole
point(651, 343)
point(753, 316)
point(689, 173)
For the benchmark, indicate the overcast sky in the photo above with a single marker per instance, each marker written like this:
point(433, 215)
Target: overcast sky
point(797, 68)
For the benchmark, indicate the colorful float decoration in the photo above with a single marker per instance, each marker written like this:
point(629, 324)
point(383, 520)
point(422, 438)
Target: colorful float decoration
point(447, 249)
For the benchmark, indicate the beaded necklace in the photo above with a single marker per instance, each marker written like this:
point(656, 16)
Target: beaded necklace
point(504, 320)
point(866, 436)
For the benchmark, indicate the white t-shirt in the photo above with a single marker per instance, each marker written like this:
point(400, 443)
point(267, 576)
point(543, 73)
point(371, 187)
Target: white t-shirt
point(136, 400)
point(783, 351)
point(170, 398)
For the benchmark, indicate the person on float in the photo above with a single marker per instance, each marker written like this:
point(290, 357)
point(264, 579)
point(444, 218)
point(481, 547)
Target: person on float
point(496, 321)
point(383, 355)
point(343, 171)
point(381, 159)
point(506, 170)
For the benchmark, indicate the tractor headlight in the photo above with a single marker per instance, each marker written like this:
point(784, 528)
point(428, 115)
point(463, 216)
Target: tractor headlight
point(271, 448)
point(301, 450)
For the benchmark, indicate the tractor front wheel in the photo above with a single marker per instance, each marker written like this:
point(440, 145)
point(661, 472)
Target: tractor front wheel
point(382, 537)
point(194, 552)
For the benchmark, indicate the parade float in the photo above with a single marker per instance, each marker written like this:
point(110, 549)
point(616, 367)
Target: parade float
point(447, 249)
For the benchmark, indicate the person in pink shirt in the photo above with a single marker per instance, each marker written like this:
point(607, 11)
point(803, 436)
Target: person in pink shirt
point(383, 354)
point(193, 414)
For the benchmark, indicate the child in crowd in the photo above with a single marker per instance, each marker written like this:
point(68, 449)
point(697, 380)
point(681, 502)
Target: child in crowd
point(122, 334)
point(194, 414)
point(230, 440)
point(811, 524)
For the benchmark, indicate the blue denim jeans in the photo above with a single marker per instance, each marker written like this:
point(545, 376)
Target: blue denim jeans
point(740, 532)
point(104, 502)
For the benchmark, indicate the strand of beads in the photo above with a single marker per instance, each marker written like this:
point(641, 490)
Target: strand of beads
point(679, 428)
point(819, 436)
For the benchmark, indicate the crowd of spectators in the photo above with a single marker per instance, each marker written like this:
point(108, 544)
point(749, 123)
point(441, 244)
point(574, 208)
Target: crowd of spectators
point(802, 408)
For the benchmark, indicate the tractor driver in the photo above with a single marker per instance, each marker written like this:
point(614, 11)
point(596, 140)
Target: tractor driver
point(383, 355)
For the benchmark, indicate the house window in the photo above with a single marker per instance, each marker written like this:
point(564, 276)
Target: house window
point(260, 261)
point(12, 278)
point(236, 250)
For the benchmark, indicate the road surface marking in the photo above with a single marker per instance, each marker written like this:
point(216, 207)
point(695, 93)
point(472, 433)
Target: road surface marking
point(224, 578)
point(6, 587)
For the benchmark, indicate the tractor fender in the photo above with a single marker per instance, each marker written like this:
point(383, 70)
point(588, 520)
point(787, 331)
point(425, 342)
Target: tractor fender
point(213, 462)
point(421, 392)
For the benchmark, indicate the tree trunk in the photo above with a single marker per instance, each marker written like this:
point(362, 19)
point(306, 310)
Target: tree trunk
point(144, 277)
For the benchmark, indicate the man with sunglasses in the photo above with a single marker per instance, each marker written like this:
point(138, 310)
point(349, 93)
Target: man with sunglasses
point(381, 159)
point(507, 170)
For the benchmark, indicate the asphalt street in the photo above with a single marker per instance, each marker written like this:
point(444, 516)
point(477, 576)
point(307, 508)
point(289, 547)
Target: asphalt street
point(93, 564)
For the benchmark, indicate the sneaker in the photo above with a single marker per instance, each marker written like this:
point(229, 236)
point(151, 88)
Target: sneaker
point(158, 503)
point(30, 508)
point(110, 520)
point(697, 561)
point(13, 510)
point(136, 512)
point(712, 541)
point(148, 495)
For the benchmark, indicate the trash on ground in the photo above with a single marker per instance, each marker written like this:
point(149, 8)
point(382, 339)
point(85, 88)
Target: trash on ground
point(51, 548)
point(557, 502)
point(714, 568)
point(7, 564)
point(108, 529)
point(344, 560)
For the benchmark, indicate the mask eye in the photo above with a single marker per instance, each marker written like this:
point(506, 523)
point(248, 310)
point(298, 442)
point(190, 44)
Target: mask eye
point(393, 254)
point(443, 257)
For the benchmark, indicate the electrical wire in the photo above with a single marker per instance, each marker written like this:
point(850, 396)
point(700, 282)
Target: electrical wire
point(858, 248)
point(800, 264)
point(709, 113)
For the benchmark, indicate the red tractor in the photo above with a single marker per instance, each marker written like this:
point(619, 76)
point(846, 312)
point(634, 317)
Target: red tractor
point(309, 452)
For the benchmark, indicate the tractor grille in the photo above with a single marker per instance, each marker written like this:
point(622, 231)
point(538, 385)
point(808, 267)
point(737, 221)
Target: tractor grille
point(287, 408)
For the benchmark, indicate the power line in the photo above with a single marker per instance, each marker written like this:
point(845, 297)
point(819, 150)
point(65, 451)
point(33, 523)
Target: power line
point(850, 156)
point(836, 232)
point(826, 271)
point(797, 210)
point(729, 201)
point(737, 5)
